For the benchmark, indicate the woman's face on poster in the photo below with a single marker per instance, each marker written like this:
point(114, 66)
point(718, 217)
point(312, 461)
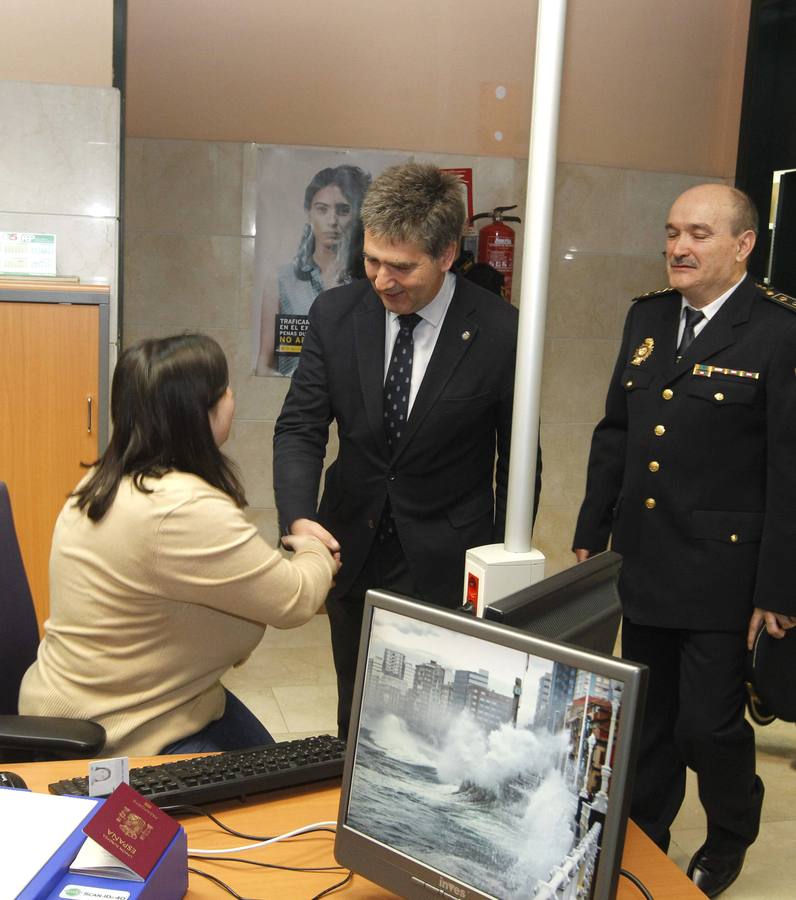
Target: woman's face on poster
point(330, 216)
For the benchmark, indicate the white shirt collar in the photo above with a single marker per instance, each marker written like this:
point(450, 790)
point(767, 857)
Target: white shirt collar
point(714, 306)
point(434, 312)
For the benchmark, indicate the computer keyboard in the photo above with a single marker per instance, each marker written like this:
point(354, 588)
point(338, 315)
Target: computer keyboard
point(232, 774)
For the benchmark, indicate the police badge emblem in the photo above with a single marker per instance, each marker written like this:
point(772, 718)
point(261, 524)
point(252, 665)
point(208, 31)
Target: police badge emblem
point(643, 352)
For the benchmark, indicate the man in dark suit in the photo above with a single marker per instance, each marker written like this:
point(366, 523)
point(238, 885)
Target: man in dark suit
point(691, 473)
point(412, 485)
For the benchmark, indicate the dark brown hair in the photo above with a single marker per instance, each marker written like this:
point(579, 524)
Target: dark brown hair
point(162, 392)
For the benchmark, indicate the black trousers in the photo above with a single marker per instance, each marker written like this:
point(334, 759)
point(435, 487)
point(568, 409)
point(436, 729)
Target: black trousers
point(385, 568)
point(694, 718)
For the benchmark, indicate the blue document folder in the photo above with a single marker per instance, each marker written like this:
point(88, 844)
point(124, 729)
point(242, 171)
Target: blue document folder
point(168, 880)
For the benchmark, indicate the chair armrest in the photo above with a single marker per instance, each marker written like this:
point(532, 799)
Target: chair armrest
point(43, 735)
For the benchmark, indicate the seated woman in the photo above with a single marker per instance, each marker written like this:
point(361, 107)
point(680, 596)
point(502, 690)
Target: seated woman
point(158, 582)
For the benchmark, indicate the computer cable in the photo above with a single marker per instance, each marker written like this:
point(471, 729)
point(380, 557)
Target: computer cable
point(220, 883)
point(265, 865)
point(305, 829)
point(335, 887)
point(230, 890)
point(262, 841)
point(198, 810)
point(637, 882)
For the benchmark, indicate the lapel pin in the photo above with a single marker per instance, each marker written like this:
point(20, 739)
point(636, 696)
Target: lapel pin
point(465, 335)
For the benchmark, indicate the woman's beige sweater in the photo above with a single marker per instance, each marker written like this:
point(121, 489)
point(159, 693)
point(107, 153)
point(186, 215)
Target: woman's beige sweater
point(151, 605)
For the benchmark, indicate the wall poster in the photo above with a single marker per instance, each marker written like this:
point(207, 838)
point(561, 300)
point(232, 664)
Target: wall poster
point(308, 239)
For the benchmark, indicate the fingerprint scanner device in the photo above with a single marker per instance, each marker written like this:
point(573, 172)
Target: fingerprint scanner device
point(484, 761)
point(492, 572)
point(41, 836)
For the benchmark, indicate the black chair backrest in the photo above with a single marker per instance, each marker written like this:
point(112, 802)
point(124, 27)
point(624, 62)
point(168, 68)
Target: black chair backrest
point(19, 633)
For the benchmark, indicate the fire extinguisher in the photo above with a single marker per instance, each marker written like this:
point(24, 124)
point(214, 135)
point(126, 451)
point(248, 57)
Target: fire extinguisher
point(496, 244)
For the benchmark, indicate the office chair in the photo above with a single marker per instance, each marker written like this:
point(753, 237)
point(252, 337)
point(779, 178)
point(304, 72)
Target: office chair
point(28, 738)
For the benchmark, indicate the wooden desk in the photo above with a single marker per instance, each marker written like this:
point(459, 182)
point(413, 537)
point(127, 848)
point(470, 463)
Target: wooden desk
point(281, 811)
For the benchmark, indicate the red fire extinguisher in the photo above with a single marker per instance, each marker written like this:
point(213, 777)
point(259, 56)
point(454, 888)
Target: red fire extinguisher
point(496, 244)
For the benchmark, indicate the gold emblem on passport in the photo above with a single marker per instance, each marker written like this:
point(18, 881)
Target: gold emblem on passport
point(132, 825)
point(643, 351)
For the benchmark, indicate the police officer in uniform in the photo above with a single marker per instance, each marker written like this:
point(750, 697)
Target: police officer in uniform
point(691, 474)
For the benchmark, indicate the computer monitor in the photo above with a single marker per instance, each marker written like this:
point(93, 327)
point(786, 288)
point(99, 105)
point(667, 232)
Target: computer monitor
point(484, 761)
point(579, 605)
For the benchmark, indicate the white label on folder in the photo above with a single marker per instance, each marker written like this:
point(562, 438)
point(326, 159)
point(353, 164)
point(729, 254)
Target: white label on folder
point(84, 892)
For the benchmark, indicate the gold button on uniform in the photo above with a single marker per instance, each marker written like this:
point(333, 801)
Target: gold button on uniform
point(650, 503)
point(659, 430)
point(734, 538)
point(718, 395)
point(629, 383)
point(654, 466)
point(667, 394)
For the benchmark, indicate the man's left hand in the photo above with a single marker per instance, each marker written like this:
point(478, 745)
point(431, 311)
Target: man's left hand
point(776, 624)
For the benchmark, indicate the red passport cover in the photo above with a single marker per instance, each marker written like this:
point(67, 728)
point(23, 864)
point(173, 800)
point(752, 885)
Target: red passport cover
point(131, 828)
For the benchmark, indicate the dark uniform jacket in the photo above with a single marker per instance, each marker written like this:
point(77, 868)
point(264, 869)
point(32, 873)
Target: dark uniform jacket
point(440, 478)
point(693, 469)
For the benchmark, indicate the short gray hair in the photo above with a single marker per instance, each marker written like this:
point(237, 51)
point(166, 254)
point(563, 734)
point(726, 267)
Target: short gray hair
point(744, 213)
point(417, 203)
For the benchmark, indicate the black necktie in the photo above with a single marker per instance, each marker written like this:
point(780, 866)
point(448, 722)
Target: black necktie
point(692, 318)
point(399, 380)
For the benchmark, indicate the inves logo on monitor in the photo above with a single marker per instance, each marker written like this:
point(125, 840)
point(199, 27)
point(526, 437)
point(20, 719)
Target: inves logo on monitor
point(450, 888)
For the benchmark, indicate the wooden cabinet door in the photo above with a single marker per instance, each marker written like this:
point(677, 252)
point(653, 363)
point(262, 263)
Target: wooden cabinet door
point(49, 386)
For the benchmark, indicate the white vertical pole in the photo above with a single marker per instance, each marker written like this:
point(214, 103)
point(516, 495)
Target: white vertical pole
point(535, 271)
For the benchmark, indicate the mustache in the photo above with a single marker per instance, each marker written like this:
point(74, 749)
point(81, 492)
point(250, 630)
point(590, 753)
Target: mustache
point(679, 260)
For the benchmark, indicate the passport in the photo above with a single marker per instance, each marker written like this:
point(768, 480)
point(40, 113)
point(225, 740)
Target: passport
point(132, 830)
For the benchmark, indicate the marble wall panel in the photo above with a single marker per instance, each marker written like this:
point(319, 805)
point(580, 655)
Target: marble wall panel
point(188, 281)
point(183, 187)
point(574, 379)
point(565, 446)
point(555, 526)
point(59, 149)
point(604, 210)
point(588, 213)
point(249, 445)
point(582, 297)
point(246, 293)
point(248, 218)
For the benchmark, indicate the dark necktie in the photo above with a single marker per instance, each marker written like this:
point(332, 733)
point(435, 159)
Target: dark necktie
point(399, 380)
point(692, 318)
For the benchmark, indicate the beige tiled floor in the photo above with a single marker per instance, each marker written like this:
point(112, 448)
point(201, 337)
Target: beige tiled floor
point(289, 683)
point(769, 873)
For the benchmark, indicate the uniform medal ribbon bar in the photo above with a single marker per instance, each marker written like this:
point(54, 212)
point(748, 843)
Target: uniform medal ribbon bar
point(707, 371)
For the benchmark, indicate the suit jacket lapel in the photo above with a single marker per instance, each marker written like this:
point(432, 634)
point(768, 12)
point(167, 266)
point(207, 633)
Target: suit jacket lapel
point(369, 325)
point(718, 333)
point(458, 330)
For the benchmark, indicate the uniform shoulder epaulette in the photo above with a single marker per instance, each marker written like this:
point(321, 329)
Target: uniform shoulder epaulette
point(649, 294)
point(778, 297)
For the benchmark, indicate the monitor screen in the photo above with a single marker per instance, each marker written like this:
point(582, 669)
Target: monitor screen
point(484, 761)
point(579, 605)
